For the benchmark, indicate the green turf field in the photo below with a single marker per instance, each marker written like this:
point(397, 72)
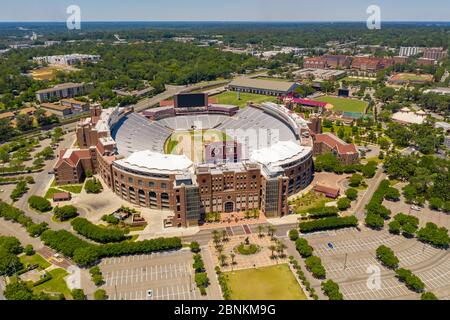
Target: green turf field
point(344, 104)
point(230, 97)
point(269, 283)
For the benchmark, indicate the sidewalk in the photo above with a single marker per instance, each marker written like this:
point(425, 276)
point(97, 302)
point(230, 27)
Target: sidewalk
point(214, 291)
point(315, 283)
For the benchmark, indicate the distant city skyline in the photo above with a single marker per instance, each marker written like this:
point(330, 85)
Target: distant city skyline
point(224, 10)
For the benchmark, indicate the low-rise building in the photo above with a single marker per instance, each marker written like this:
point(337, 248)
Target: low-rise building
point(435, 53)
point(62, 91)
point(260, 86)
point(425, 62)
point(329, 143)
point(406, 116)
point(372, 64)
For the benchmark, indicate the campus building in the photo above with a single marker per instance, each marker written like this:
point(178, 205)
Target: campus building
point(435, 53)
point(62, 91)
point(410, 51)
point(66, 108)
point(265, 87)
point(329, 143)
point(127, 150)
point(372, 64)
point(67, 59)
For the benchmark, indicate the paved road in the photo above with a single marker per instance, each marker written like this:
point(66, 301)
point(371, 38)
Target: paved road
point(42, 182)
point(204, 236)
point(359, 209)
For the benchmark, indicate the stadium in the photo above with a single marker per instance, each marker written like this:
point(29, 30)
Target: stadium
point(195, 158)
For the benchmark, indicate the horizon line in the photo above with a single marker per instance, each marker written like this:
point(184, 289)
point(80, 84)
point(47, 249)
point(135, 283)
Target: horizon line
point(231, 21)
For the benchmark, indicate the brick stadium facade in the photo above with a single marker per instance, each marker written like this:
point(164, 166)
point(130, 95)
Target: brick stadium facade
point(186, 190)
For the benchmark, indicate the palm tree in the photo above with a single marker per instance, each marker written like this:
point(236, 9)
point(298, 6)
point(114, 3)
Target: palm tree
point(271, 231)
point(223, 260)
point(233, 261)
point(260, 231)
point(216, 239)
point(224, 235)
point(272, 248)
point(280, 249)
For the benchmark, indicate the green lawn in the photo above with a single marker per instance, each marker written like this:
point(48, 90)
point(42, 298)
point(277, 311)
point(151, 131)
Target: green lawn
point(309, 201)
point(269, 283)
point(35, 259)
point(55, 285)
point(50, 192)
point(344, 104)
point(230, 97)
point(75, 188)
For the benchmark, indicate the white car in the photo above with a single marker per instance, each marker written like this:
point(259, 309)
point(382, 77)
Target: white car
point(415, 208)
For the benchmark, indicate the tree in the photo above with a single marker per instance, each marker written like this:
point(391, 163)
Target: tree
point(314, 264)
point(100, 294)
point(29, 251)
point(428, 296)
point(436, 203)
point(272, 249)
point(195, 247)
point(260, 231)
point(331, 290)
point(24, 122)
point(387, 257)
point(93, 186)
point(18, 290)
point(39, 203)
point(352, 194)
point(78, 294)
point(434, 235)
point(303, 248)
point(355, 180)
point(293, 234)
point(344, 203)
point(65, 213)
point(223, 260)
point(392, 194)
point(9, 262)
point(202, 280)
point(374, 221)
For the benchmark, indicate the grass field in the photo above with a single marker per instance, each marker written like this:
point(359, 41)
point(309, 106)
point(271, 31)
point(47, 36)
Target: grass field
point(35, 259)
point(344, 104)
point(269, 283)
point(309, 201)
point(230, 97)
point(75, 188)
point(56, 285)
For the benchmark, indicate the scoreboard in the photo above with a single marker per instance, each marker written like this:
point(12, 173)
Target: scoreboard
point(191, 100)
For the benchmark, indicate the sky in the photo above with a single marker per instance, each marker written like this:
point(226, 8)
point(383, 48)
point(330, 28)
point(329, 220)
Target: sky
point(224, 10)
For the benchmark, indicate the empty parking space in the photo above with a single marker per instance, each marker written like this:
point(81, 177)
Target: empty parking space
point(357, 245)
point(351, 267)
point(169, 276)
point(436, 277)
point(390, 288)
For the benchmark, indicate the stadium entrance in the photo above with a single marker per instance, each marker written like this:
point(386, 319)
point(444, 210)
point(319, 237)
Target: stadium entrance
point(229, 207)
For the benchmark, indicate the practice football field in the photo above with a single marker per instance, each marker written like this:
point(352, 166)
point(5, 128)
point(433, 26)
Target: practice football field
point(344, 104)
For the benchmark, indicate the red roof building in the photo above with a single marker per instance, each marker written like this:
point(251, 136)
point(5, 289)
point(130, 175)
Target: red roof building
point(329, 143)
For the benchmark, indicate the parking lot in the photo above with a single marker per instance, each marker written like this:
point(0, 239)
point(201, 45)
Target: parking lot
point(346, 256)
point(169, 275)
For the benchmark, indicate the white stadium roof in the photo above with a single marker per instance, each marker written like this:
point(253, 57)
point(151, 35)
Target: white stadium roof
point(156, 162)
point(280, 153)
